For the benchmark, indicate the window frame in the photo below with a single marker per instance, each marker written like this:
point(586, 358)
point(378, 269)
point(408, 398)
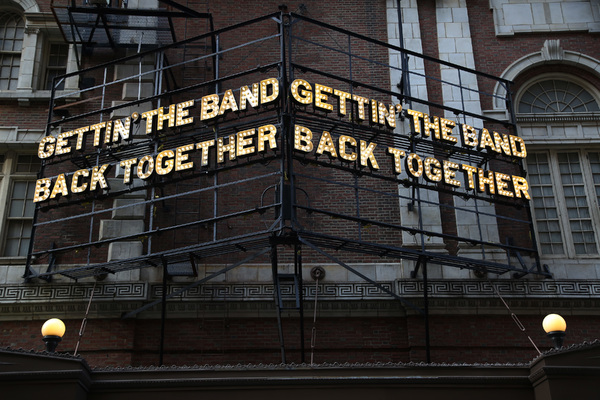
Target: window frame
point(551, 116)
point(8, 176)
point(14, 53)
point(553, 144)
point(41, 30)
point(560, 200)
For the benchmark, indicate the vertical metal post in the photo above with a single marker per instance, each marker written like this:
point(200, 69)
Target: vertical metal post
point(298, 273)
point(163, 314)
point(426, 310)
point(277, 298)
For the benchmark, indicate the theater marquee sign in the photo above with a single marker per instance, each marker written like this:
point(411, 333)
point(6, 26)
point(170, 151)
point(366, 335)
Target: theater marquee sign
point(263, 138)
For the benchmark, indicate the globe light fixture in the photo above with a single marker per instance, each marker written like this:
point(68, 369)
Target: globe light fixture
point(52, 332)
point(555, 326)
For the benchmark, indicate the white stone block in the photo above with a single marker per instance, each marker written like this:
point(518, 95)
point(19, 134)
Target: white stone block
point(454, 30)
point(455, 273)
point(539, 14)
point(124, 71)
point(577, 12)
point(460, 15)
point(388, 272)
point(130, 91)
point(110, 228)
point(447, 45)
point(556, 14)
point(392, 15)
point(117, 185)
point(464, 45)
point(242, 274)
point(132, 209)
point(410, 16)
point(518, 14)
point(444, 14)
point(441, 30)
point(124, 250)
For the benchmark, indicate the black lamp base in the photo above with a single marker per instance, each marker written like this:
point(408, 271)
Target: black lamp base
point(558, 338)
point(51, 342)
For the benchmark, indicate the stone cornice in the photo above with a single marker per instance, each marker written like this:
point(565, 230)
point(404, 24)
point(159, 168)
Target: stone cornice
point(552, 118)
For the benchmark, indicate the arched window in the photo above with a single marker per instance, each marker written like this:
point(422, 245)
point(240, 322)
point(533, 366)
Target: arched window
point(12, 29)
point(564, 169)
point(556, 96)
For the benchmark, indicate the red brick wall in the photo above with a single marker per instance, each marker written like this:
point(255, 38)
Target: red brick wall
point(223, 340)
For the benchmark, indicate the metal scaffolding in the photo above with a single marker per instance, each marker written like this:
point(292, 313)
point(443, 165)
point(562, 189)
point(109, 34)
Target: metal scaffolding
point(242, 209)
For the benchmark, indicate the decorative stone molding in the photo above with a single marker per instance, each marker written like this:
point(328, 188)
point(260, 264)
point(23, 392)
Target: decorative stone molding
point(593, 117)
point(328, 291)
point(552, 50)
point(570, 58)
point(72, 292)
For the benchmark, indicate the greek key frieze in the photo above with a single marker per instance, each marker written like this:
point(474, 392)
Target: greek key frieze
point(72, 292)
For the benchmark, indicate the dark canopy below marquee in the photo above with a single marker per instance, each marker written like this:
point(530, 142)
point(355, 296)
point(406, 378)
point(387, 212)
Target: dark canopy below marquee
point(558, 374)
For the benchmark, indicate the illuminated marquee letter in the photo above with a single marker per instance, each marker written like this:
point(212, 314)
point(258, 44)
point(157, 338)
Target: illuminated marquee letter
point(303, 139)
point(361, 101)
point(446, 127)
point(46, 147)
point(414, 170)
point(98, 177)
point(343, 98)
point(42, 190)
point(502, 142)
point(433, 169)
point(210, 107)
point(450, 169)
point(518, 147)
point(367, 155)
point(521, 187)
point(247, 96)
point(272, 83)
point(304, 95)
point(225, 148)
point(121, 129)
point(166, 166)
point(182, 113)
point(267, 134)
point(486, 181)
point(244, 143)
point(228, 103)
point(469, 171)
point(62, 143)
point(387, 116)
point(486, 141)
point(321, 99)
point(80, 132)
point(205, 146)
point(148, 116)
point(162, 117)
point(326, 145)
point(60, 187)
point(398, 155)
point(502, 184)
point(342, 141)
point(181, 156)
point(145, 167)
point(126, 165)
point(416, 120)
point(469, 136)
point(75, 187)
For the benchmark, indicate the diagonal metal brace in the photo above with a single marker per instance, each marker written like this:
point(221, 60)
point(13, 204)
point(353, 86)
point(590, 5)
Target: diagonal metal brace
point(197, 283)
point(355, 272)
